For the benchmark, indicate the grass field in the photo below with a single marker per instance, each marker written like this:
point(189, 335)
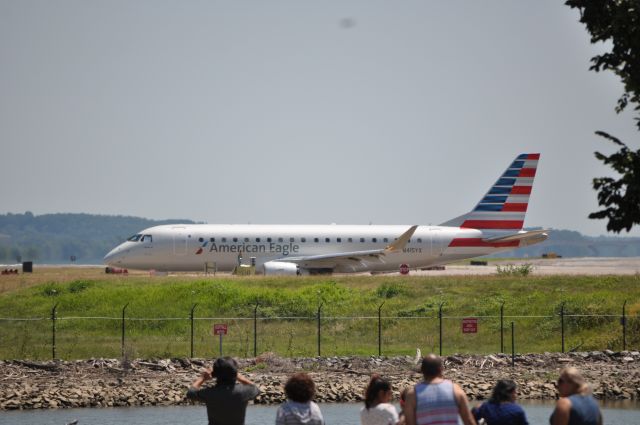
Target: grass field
point(90, 305)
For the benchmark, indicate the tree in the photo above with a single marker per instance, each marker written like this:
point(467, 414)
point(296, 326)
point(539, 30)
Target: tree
point(618, 23)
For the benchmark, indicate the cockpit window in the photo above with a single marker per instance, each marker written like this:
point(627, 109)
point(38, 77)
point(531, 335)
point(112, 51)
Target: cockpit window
point(147, 238)
point(135, 238)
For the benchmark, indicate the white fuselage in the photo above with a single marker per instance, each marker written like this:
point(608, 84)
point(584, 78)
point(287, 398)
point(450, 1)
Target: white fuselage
point(192, 247)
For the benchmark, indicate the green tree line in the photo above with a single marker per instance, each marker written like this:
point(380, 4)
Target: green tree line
point(55, 238)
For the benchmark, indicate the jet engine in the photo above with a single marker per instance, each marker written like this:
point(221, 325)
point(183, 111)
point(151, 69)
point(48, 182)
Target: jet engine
point(281, 268)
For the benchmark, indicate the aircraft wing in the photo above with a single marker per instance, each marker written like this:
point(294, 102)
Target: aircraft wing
point(342, 260)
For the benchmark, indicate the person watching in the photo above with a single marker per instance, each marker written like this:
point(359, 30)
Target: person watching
point(299, 409)
point(576, 405)
point(436, 400)
point(227, 400)
point(501, 409)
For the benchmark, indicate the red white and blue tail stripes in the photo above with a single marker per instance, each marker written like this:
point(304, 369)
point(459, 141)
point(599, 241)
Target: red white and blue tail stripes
point(505, 204)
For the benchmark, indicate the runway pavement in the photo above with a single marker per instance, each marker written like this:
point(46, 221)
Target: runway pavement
point(557, 266)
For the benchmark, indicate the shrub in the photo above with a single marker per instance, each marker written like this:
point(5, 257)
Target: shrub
point(514, 270)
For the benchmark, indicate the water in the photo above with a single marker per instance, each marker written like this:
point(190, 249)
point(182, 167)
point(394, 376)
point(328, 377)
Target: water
point(627, 413)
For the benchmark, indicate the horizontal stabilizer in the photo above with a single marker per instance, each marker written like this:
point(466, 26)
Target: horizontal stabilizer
point(538, 235)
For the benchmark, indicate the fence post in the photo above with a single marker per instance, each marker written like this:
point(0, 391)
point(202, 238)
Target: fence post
point(319, 310)
point(255, 330)
point(53, 331)
point(123, 329)
point(380, 329)
point(513, 345)
point(562, 324)
point(624, 326)
point(502, 327)
point(191, 318)
point(440, 320)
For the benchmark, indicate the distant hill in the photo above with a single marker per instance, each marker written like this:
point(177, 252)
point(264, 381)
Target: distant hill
point(54, 238)
point(569, 243)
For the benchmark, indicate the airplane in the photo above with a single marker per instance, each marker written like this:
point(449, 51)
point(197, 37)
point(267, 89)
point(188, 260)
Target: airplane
point(494, 225)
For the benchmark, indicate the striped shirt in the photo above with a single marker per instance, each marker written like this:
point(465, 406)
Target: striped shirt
point(436, 404)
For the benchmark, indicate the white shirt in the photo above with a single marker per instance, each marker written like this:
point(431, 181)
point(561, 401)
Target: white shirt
point(380, 414)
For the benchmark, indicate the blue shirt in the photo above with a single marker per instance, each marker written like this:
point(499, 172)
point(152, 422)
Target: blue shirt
point(501, 414)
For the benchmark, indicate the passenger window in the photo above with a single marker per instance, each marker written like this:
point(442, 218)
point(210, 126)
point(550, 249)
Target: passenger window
point(350, 240)
point(385, 240)
point(212, 239)
point(362, 240)
point(327, 240)
point(292, 239)
point(224, 239)
point(269, 240)
point(200, 239)
point(338, 240)
point(303, 239)
point(316, 240)
point(235, 239)
point(257, 239)
point(246, 239)
point(374, 240)
point(280, 240)
point(419, 240)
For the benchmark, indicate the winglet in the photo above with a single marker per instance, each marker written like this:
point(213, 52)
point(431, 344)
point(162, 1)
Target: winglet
point(401, 242)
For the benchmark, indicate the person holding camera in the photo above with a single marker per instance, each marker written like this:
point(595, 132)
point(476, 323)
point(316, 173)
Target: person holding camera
point(227, 400)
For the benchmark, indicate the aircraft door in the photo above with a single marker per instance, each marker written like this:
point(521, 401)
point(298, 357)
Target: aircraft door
point(179, 241)
point(436, 242)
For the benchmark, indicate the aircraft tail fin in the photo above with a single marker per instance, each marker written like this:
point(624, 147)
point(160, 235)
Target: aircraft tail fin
point(505, 204)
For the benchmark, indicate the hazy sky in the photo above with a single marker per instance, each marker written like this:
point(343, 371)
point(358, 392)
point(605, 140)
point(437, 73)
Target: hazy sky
point(390, 112)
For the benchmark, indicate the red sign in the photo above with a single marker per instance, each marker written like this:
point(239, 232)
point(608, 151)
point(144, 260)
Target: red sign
point(220, 329)
point(404, 269)
point(470, 325)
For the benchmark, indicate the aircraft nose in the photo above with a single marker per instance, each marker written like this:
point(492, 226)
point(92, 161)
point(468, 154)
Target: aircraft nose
point(114, 257)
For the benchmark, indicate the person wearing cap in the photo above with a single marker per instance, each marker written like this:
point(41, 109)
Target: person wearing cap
point(227, 400)
point(576, 405)
point(436, 400)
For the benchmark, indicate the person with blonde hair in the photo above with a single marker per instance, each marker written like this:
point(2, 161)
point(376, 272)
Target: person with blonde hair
point(576, 405)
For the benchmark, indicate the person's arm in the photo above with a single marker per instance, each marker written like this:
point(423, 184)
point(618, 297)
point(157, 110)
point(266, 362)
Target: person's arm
point(523, 417)
point(205, 375)
point(244, 380)
point(560, 415)
point(463, 406)
point(251, 390)
point(410, 407)
point(280, 416)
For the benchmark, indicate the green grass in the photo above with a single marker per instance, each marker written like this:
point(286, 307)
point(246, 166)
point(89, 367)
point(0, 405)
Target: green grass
point(158, 311)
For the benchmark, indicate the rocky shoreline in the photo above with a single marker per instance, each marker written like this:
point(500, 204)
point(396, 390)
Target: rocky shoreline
point(110, 382)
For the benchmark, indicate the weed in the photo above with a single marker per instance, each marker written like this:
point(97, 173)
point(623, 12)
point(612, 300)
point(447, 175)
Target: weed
point(514, 270)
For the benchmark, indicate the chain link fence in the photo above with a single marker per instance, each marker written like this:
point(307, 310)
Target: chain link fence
point(439, 331)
